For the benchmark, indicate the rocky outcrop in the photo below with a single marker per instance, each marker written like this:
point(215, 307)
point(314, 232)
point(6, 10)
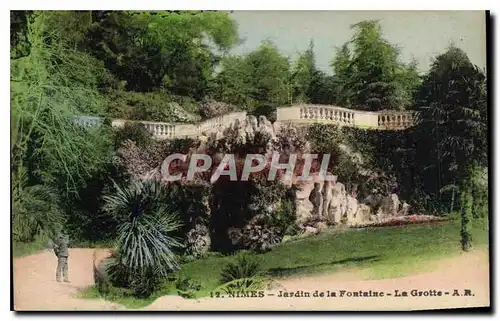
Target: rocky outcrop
point(198, 240)
point(266, 127)
point(389, 206)
point(352, 210)
point(329, 202)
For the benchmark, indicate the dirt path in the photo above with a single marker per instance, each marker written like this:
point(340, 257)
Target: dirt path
point(36, 289)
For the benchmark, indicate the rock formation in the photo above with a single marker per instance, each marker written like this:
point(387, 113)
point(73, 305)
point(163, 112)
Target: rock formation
point(316, 198)
point(198, 240)
point(328, 201)
point(266, 127)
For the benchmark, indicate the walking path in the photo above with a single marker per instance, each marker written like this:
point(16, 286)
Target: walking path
point(35, 288)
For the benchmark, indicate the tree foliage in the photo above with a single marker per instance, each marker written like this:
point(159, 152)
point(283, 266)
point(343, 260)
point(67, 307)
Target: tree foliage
point(370, 75)
point(452, 135)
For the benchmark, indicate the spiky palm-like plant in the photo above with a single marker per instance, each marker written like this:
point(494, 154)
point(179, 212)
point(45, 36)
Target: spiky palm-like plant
point(145, 226)
point(244, 266)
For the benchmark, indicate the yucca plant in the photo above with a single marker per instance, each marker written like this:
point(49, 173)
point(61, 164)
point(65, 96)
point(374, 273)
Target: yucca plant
point(244, 266)
point(242, 285)
point(145, 226)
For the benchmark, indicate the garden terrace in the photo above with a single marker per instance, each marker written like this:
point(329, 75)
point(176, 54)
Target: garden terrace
point(300, 114)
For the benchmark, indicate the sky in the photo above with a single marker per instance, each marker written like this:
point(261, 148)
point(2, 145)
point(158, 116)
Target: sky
point(421, 35)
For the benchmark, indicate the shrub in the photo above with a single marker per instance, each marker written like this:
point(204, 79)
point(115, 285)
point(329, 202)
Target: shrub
point(35, 212)
point(145, 247)
point(244, 266)
point(135, 132)
point(145, 283)
point(151, 106)
point(268, 110)
point(187, 288)
point(211, 108)
point(259, 238)
point(241, 285)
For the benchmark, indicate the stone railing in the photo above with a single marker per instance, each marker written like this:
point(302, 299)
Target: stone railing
point(384, 120)
point(160, 130)
point(396, 120)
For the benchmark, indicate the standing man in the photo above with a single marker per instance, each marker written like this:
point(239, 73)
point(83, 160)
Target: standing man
point(61, 250)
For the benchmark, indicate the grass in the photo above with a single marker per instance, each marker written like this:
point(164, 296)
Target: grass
point(379, 252)
point(20, 249)
point(117, 295)
point(23, 249)
point(376, 253)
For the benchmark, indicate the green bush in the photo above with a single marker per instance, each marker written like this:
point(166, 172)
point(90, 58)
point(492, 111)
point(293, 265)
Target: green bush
point(241, 285)
point(145, 283)
point(187, 288)
point(35, 213)
point(244, 266)
point(135, 132)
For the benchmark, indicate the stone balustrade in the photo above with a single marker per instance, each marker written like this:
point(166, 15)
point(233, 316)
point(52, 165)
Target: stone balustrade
point(160, 130)
point(382, 120)
point(396, 120)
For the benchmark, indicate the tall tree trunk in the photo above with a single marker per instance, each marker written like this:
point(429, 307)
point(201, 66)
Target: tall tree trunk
point(452, 197)
point(466, 216)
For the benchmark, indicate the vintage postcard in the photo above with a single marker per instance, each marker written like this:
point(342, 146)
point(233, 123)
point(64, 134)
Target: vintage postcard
point(249, 160)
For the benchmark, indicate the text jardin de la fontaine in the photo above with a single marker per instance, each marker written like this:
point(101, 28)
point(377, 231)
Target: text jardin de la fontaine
point(371, 294)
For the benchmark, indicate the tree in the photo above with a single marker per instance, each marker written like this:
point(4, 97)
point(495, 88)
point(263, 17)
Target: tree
point(323, 89)
point(233, 84)
point(341, 81)
point(452, 141)
point(270, 75)
point(170, 50)
point(303, 76)
point(371, 76)
point(49, 86)
point(260, 79)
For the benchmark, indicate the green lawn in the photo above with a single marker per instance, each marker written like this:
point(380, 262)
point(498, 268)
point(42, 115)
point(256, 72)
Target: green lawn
point(385, 252)
point(377, 253)
point(23, 249)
